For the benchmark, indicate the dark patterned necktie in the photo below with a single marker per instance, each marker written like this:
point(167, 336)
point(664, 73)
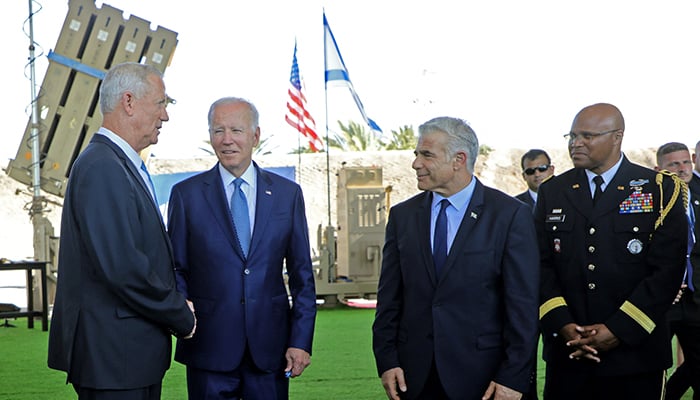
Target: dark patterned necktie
point(598, 180)
point(440, 237)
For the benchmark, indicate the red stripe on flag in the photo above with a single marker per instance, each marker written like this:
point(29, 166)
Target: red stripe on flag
point(297, 115)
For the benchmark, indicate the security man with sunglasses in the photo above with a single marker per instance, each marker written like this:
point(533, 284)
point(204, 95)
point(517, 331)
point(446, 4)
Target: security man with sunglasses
point(612, 238)
point(537, 167)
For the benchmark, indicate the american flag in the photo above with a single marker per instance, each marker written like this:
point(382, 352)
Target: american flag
point(297, 114)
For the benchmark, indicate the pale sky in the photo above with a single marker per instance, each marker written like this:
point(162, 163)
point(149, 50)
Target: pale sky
point(517, 71)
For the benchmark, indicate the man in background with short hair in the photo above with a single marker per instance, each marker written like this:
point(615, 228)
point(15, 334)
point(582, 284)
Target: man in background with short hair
point(537, 167)
point(684, 315)
point(695, 182)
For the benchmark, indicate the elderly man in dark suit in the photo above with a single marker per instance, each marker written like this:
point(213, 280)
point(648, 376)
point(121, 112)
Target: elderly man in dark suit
point(612, 238)
point(116, 301)
point(537, 168)
point(457, 299)
point(236, 230)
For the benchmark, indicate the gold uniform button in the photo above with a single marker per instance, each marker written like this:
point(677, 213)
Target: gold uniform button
point(591, 286)
point(591, 267)
point(591, 249)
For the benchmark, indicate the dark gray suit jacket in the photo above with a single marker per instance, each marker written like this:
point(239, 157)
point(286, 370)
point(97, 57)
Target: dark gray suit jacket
point(526, 198)
point(116, 302)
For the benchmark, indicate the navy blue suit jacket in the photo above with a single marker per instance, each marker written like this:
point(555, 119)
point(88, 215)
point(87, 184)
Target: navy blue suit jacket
point(116, 301)
point(526, 198)
point(241, 301)
point(478, 320)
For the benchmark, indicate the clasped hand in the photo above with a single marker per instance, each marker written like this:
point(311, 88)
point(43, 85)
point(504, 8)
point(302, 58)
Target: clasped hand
point(589, 340)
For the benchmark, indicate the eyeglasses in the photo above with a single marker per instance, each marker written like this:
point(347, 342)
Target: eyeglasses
point(586, 136)
point(531, 171)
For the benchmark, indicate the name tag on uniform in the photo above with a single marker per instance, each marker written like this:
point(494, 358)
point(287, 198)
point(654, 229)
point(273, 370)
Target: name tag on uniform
point(551, 218)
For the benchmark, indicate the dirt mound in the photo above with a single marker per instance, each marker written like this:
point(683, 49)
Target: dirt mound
point(498, 168)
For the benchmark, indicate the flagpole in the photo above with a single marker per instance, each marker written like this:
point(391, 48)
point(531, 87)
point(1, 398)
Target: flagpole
point(299, 135)
point(328, 147)
point(299, 154)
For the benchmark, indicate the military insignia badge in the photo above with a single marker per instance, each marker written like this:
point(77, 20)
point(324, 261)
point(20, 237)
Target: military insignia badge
point(637, 202)
point(557, 245)
point(638, 182)
point(634, 246)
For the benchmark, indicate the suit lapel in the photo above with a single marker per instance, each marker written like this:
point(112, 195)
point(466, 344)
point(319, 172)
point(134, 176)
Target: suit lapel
point(695, 204)
point(215, 196)
point(578, 194)
point(424, 234)
point(135, 175)
point(263, 205)
point(471, 216)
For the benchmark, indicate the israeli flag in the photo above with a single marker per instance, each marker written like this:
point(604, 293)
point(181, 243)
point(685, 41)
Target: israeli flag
point(337, 74)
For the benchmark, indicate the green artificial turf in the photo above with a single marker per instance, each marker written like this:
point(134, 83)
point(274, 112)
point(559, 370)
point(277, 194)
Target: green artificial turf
point(342, 365)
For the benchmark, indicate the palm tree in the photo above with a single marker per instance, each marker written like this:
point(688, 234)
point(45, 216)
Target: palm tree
point(404, 139)
point(354, 137)
point(304, 150)
point(357, 137)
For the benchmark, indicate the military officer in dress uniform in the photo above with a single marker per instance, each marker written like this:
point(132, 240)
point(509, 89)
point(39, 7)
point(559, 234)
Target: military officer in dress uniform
point(612, 237)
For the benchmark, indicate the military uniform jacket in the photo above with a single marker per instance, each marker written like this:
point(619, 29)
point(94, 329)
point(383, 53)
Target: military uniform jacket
point(611, 264)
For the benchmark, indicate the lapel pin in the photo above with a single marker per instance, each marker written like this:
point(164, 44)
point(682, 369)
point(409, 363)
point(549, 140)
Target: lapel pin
point(269, 193)
point(620, 188)
point(575, 186)
point(473, 215)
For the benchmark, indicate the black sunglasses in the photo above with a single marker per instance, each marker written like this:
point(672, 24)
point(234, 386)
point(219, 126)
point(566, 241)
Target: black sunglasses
point(531, 171)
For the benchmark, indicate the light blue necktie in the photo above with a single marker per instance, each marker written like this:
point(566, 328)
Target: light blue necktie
point(440, 237)
point(150, 182)
point(239, 210)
